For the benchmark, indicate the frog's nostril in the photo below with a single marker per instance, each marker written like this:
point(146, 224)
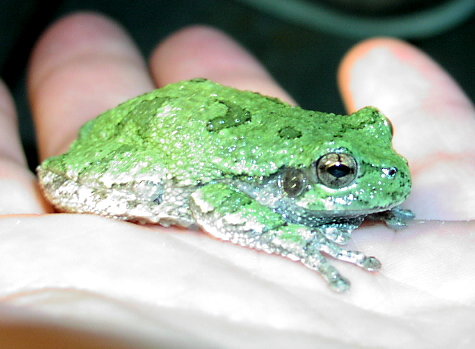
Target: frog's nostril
point(390, 172)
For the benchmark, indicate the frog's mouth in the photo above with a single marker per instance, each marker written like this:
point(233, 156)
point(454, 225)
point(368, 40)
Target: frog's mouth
point(268, 193)
point(312, 218)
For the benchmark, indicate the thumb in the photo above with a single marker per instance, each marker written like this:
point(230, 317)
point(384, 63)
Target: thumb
point(433, 120)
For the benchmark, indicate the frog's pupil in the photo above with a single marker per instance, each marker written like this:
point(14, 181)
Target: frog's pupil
point(339, 170)
point(336, 169)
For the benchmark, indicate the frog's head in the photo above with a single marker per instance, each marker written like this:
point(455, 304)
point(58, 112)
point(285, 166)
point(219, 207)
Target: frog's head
point(355, 172)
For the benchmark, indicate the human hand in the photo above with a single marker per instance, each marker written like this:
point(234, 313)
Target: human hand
point(150, 286)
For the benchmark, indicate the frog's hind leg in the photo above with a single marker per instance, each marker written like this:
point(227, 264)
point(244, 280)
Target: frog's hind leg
point(231, 215)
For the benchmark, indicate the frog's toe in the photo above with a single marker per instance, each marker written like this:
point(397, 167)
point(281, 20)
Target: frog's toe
point(332, 276)
point(396, 218)
point(403, 213)
point(395, 222)
point(339, 284)
point(335, 280)
point(354, 257)
point(370, 264)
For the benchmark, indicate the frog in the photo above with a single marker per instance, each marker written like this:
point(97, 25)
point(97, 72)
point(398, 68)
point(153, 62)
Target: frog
point(241, 166)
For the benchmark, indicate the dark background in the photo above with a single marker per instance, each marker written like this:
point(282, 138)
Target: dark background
point(302, 57)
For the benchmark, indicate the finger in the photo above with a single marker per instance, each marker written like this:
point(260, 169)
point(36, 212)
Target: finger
point(433, 119)
point(200, 51)
point(10, 147)
point(21, 326)
point(83, 65)
point(18, 192)
point(418, 96)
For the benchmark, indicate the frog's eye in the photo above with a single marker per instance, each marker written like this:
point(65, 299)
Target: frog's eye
point(293, 182)
point(336, 170)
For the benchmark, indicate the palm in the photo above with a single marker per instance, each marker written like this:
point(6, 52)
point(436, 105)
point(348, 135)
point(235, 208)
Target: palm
point(140, 279)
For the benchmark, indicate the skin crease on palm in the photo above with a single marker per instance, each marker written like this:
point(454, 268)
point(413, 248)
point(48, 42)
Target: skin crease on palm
point(147, 286)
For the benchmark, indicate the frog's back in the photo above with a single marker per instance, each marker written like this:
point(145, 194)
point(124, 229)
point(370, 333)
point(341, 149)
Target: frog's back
point(157, 147)
point(198, 131)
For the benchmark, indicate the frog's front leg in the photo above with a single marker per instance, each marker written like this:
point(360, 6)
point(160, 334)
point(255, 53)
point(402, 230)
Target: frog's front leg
point(340, 232)
point(395, 218)
point(229, 214)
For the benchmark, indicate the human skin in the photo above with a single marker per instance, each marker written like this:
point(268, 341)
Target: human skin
point(153, 285)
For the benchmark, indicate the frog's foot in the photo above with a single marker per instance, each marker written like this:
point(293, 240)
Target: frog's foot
point(396, 218)
point(289, 241)
point(354, 257)
point(229, 214)
point(335, 280)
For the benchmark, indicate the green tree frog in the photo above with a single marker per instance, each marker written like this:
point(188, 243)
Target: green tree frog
point(241, 166)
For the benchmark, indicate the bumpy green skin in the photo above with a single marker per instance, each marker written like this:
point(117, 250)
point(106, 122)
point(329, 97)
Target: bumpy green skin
point(259, 136)
point(196, 152)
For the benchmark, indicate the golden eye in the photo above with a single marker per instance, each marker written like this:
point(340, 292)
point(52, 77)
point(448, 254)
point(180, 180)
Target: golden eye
point(336, 170)
point(293, 182)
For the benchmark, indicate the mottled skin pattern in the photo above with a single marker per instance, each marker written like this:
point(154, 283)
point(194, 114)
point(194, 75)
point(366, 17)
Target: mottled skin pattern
point(244, 167)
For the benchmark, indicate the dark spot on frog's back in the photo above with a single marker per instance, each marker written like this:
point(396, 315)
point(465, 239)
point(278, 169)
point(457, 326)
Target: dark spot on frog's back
point(143, 110)
point(198, 80)
point(289, 132)
point(146, 106)
point(235, 116)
